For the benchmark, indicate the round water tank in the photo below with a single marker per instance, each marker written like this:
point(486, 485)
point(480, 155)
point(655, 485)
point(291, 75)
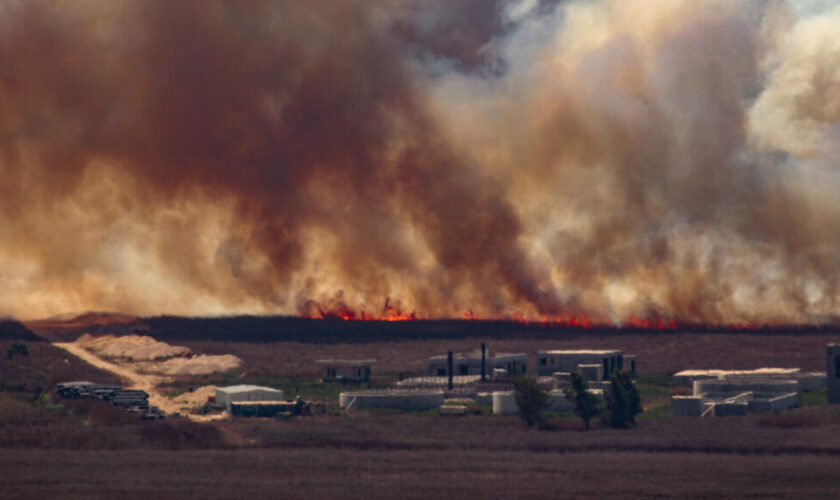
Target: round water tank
point(504, 403)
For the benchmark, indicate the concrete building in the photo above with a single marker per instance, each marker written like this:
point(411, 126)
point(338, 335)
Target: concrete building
point(737, 395)
point(568, 361)
point(806, 381)
point(227, 395)
point(470, 364)
point(832, 369)
point(346, 370)
point(686, 406)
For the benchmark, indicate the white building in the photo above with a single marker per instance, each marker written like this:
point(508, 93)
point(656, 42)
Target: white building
point(349, 370)
point(470, 364)
point(568, 361)
point(806, 381)
point(226, 395)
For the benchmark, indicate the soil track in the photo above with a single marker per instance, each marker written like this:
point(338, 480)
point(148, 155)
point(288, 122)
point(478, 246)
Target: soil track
point(141, 381)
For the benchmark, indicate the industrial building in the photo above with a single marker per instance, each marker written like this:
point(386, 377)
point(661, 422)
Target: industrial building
point(592, 364)
point(495, 364)
point(806, 381)
point(345, 370)
point(722, 397)
point(235, 393)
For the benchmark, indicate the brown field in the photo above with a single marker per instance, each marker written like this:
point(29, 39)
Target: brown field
point(352, 473)
point(53, 448)
point(657, 353)
point(380, 455)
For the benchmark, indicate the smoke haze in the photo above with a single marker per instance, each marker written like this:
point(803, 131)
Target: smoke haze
point(610, 159)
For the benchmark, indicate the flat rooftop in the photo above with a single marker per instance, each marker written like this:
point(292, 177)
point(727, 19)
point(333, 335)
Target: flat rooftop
point(246, 388)
point(593, 352)
point(477, 355)
point(757, 371)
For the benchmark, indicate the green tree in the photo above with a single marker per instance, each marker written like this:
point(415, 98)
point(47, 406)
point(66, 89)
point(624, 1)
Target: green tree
point(586, 404)
point(16, 348)
point(531, 399)
point(621, 402)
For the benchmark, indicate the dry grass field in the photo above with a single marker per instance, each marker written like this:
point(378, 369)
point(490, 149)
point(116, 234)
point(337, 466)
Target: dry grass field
point(87, 449)
point(354, 473)
point(657, 352)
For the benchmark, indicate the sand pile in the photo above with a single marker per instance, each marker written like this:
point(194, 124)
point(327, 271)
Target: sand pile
point(201, 364)
point(134, 347)
point(195, 398)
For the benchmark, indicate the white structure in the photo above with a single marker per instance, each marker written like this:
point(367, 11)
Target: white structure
point(395, 400)
point(455, 410)
point(504, 403)
point(568, 361)
point(226, 395)
point(438, 382)
point(687, 377)
point(350, 370)
point(731, 395)
point(806, 381)
point(470, 364)
point(832, 369)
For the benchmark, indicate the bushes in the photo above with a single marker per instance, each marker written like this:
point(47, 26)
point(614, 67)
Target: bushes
point(531, 399)
point(17, 348)
point(621, 402)
point(586, 404)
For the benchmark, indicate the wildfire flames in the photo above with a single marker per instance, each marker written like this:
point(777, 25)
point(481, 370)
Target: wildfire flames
point(575, 164)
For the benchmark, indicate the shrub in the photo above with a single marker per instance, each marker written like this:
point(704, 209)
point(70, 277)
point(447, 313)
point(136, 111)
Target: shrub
point(17, 348)
point(586, 404)
point(531, 399)
point(621, 402)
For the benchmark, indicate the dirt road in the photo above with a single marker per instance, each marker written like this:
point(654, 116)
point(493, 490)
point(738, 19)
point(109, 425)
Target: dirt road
point(142, 381)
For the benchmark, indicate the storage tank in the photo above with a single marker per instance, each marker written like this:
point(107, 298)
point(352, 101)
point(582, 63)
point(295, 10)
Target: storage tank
point(504, 403)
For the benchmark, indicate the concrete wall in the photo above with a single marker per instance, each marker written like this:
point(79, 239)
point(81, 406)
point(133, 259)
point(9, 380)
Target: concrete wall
point(591, 373)
point(810, 381)
point(512, 365)
point(774, 404)
point(549, 362)
point(345, 372)
point(741, 385)
point(832, 370)
point(396, 400)
point(686, 406)
point(731, 409)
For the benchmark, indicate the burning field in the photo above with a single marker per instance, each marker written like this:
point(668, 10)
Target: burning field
point(605, 162)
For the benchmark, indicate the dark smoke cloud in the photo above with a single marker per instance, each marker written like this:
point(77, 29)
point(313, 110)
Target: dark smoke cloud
point(302, 117)
point(504, 157)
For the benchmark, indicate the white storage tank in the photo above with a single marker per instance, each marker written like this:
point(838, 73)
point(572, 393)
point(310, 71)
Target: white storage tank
point(504, 403)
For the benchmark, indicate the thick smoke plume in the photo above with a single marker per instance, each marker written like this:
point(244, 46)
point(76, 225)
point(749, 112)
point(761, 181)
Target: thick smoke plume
point(608, 159)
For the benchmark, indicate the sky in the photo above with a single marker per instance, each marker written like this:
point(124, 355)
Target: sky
point(607, 159)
